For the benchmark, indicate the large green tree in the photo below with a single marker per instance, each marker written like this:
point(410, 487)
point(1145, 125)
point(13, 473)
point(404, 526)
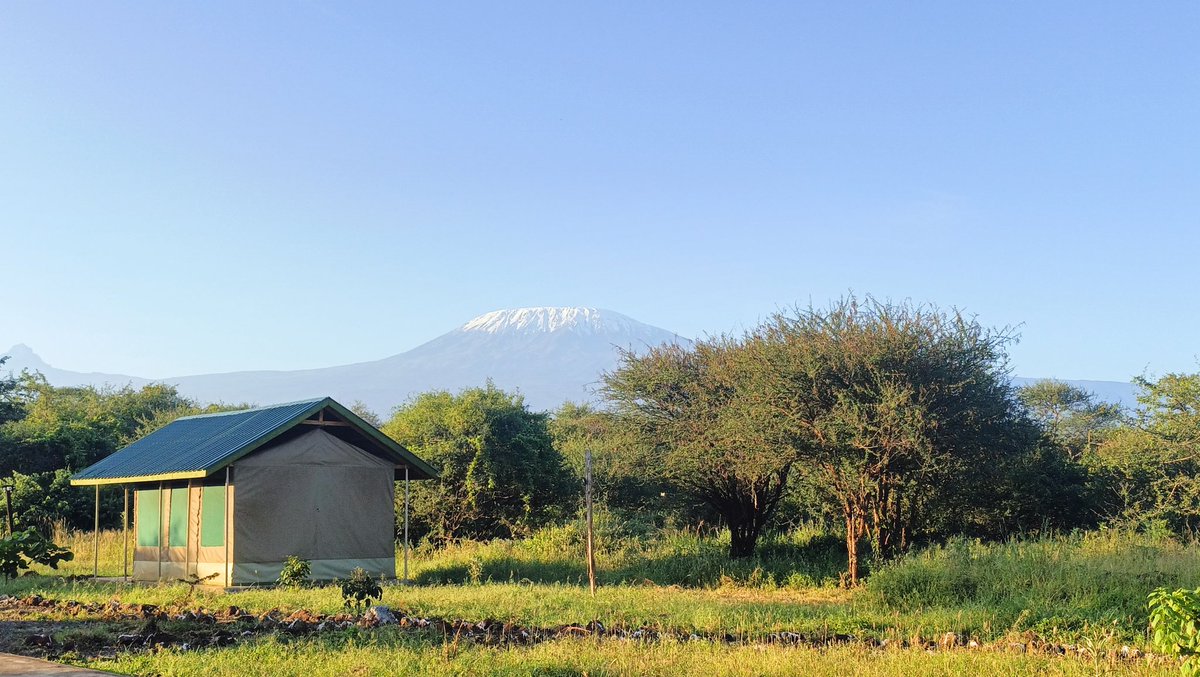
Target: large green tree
point(499, 473)
point(688, 410)
point(902, 415)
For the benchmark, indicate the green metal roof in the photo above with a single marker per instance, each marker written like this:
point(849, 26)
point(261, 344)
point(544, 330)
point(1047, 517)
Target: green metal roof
point(198, 446)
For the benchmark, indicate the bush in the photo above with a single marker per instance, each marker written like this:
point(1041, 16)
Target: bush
point(295, 572)
point(1173, 626)
point(23, 549)
point(359, 589)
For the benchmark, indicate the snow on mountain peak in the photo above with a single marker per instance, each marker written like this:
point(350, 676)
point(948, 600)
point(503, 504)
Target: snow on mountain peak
point(550, 319)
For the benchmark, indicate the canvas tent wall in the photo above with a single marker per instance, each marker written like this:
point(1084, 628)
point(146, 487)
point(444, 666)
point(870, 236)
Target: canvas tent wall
point(318, 498)
point(232, 495)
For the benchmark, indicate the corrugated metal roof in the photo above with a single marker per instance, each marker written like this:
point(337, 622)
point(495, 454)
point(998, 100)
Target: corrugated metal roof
point(196, 446)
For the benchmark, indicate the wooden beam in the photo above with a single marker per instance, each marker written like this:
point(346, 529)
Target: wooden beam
point(325, 423)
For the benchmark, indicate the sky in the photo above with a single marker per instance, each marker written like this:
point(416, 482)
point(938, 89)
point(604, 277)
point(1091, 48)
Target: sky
point(203, 187)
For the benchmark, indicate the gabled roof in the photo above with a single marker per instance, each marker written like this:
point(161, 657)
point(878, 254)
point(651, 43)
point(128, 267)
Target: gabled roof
point(198, 446)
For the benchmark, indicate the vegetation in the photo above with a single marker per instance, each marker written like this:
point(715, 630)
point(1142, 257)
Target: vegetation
point(358, 589)
point(296, 572)
point(395, 653)
point(1175, 626)
point(863, 473)
point(499, 473)
point(23, 549)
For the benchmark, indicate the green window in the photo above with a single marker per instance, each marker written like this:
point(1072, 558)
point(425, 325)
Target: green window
point(177, 535)
point(148, 517)
point(212, 516)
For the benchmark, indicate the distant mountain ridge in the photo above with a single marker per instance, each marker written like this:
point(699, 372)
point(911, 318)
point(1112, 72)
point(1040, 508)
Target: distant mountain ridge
point(549, 354)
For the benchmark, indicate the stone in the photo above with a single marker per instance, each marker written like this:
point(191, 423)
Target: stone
point(381, 615)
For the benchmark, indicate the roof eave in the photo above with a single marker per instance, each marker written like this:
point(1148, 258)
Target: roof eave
point(139, 479)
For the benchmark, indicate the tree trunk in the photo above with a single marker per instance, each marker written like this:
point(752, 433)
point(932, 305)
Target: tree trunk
point(743, 536)
point(851, 552)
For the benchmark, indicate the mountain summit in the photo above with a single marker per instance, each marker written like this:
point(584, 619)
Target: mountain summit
point(550, 319)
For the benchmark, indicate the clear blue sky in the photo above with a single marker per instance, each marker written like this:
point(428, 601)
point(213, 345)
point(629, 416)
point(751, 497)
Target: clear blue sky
point(215, 186)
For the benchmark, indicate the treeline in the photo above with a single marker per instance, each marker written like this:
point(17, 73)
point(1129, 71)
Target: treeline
point(48, 433)
point(890, 424)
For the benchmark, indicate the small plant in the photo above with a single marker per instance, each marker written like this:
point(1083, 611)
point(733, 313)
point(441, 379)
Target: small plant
point(23, 549)
point(359, 589)
point(475, 570)
point(192, 581)
point(295, 572)
point(1175, 626)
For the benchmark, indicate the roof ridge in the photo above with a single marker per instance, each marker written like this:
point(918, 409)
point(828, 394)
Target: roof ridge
point(246, 411)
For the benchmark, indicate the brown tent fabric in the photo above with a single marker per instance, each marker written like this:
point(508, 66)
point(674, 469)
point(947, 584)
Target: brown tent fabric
point(316, 497)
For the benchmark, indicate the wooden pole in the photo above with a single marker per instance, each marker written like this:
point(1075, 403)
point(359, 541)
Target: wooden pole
point(406, 523)
point(96, 536)
point(591, 550)
point(228, 519)
point(187, 532)
point(160, 534)
point(125, 537)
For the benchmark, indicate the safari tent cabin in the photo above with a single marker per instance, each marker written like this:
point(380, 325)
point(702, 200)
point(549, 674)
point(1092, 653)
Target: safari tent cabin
point(232, 495)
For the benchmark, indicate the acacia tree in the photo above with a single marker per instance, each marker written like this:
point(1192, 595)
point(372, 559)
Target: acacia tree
point(885, 406)
point(1072, 416)
point(686, 406)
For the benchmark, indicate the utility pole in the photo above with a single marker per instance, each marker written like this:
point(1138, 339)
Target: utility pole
point(591, 546)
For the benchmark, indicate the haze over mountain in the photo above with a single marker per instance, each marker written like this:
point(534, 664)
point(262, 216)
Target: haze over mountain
point(549, 354)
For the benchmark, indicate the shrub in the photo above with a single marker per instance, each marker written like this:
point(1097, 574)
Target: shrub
point(23, 549)
point(295, 572)
point(359, 589)
point(1174, 617)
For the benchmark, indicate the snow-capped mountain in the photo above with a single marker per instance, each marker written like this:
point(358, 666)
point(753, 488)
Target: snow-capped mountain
point(547, 320)
point(549, 354)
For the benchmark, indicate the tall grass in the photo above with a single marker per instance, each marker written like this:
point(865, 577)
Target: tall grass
point(1054, 583)
point(687, 558)
point(82, 545)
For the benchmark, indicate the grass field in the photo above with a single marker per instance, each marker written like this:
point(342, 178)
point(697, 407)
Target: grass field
point(1088, 591)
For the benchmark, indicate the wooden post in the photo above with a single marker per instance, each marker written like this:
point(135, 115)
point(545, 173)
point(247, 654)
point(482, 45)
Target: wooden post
point(228, 519)
point(96, 536)
point(405, 522)
point(160, 525)
point(125, 537)
point(187, 532)
point(591, 549)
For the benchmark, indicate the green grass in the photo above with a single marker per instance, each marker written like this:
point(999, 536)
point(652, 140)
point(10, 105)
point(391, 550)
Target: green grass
point(387, 652)
point(1087, 589)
